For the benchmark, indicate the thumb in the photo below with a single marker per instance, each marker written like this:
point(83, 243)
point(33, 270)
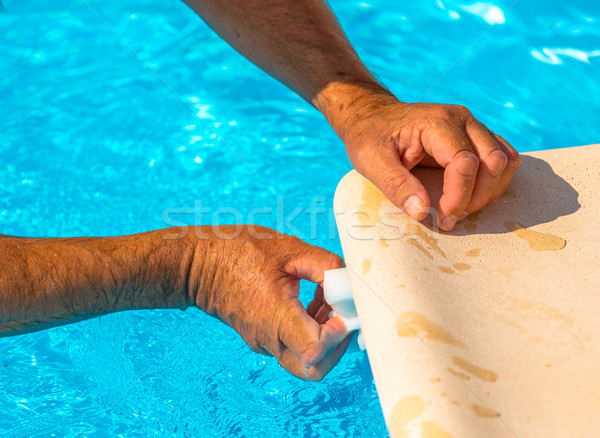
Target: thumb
point(305, 338)
point(384, 168)
point(311, 263)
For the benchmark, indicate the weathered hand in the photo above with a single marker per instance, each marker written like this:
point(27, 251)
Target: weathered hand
point(386, 138)
point(251, 283)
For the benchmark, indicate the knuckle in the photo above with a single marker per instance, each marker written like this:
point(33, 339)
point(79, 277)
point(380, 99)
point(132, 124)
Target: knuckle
point(311, 354)
point(336, 261)
point(467, 163)
point(443, 112)
point(496, 162)
point(514, 161)
point(461, 110)
point(393, 185)
point(450, 113)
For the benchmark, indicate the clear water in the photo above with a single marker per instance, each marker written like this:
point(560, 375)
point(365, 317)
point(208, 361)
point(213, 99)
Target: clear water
point(92, 143)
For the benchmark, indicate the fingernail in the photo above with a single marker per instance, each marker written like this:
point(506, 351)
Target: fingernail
point(413, 206)
point(448, 223)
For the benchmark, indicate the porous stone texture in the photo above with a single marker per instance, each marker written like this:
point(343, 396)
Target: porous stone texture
point(492, 329)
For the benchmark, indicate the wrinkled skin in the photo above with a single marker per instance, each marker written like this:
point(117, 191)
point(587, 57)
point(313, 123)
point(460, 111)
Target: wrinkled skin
point(252, 286)
point(248, 276)
point(386, 138)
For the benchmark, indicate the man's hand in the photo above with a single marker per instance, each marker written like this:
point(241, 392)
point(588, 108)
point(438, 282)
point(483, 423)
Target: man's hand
point(302, 44)
point(386, 138)
point(246, 275)
point(253, 287)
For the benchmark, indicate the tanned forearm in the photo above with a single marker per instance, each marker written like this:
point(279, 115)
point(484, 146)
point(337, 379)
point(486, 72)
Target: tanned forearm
point(245, 275)
point(49, 282)
point(301, 44)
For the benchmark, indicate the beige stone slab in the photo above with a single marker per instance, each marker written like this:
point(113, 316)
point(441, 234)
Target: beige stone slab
point(492, 330)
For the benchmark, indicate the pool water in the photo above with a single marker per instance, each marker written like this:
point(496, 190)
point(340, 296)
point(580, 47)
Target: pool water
point(92, 143)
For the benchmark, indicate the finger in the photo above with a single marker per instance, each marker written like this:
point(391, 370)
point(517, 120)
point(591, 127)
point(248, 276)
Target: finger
point(318, 309)
point(514, 162)
point(292, 364)
point(320, 370)
point(312, 262)
point(384, 168)
point(308, 340)
point(453, 151)
point(492, 162)
point(313, 307)
point(320, 293)
point(323, 314)
point(315, 373)
point(317, 302)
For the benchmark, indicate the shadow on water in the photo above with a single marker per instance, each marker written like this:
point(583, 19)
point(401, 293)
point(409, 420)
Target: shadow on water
point(535, 196)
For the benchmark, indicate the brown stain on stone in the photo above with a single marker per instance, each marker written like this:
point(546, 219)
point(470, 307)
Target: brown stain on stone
point(459, 374)
point(481, 373)
point(473, 252)
point(430, 429)
point(383, 241)
point(421, 232)
point(405, 410)
point(416, 244)
point(537, 241)
point(548, 365)
point(543, 311)
point(414, 324)
point(471, 227)
point(368, 210)
point(444, 394)
point(474, 217)
point(484, 411)
point(461, 266)
point(445, 270)
point(455, 402)
point(435, 380)
point(366, 266)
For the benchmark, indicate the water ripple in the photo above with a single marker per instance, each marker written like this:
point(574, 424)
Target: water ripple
point(91, 143)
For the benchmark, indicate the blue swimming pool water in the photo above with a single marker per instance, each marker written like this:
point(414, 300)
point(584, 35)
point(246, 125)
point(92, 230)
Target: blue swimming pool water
point(92, 143)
